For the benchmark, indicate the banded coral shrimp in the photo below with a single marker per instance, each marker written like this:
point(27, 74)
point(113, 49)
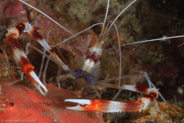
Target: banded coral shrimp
point(162, 34)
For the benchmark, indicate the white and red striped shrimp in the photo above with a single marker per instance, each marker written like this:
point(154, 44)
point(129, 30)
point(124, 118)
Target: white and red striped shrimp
point(92, 60)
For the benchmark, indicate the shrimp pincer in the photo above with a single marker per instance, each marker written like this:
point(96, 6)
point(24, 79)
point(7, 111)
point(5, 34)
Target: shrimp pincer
point(21, 58)
point(116, 106)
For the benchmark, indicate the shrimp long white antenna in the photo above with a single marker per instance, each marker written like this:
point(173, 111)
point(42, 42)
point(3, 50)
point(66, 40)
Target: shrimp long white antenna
point(154, 40)
point(107, 10)
point(57, 79)
point(42, 62)
point(120, 56)
point(46, 16)
point(45, 70)
point(76, 34)
point(104, 28)
point(43, 57)
point(121, 13)
point(120, 71)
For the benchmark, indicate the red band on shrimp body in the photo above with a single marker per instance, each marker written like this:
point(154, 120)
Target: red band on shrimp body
point(20, 27)
point(142, 89)
point(35, 34)
point(131, 106)
point(92, 58)
point(13, 42)
point(26, 66)
point(152, 96)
